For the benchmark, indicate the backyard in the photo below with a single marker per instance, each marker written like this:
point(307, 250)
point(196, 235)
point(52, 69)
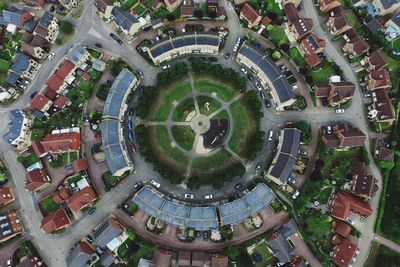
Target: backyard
point(47, 205)
point(132, 250)
point(266, 259)
point(322, 74)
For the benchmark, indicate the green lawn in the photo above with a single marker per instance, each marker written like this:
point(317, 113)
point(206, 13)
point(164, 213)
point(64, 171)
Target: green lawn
point(183, 109)
point(352, 18)
point(139, 9)
point(208, 164)
point(4, 65)
point(381, 256)
point(37, 133)
point(222, 115)
point(267, 258)
point(332, 159)
point(127, 4)
point(205, 85)
point(244, 127)
point(322, 75)
point(277, 35)
point(295, 55)
point(47, 205)
point(396, 44)
point(324, 195)
point(94, 52)
point(184, 136)
point(131, 251)
point(28, 160)
point(166, 97)
point(213, 105)
point(82, 93)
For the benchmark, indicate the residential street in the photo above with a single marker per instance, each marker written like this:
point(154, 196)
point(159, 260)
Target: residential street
point(54, 248)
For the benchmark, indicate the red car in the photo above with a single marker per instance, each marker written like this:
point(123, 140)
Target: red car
point(133, 147)
point(287, 123)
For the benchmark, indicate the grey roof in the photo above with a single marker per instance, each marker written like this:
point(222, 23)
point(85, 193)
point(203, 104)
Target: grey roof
point(104, 233)
point(182, 40)
point(12, 15)
point(14, 126)
point(76, 54)
point(287, 155)
point(46, 19)
point(388, 3)
point(396, 18)
point(124, 19)
point(160, 206)
point(30, 26)
point(281, 248)
point(117, 93)
point(237, 211)
point(107, 259)
point(283, 89)
point(155, 22)
point(76, 258)
point(289, 228)
point(21, 63)
point(112, 146)
point(2, 22)
point(13, 78)
point(374, 25)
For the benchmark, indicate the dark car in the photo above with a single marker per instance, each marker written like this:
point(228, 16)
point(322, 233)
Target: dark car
point(119, 41)
point(98, 45)
point(227, 55)
point(262, 95)
point(205, 236)
point(197, 233)
point(130, 124)
point(324, 101)
point(109, 82)
point(112, 35)
point(99, 250)
point(238, 186)
point(92, 210)
point(140, 73)
point(267, 103)
point(52, 8)
point(213, 59)
point(250, 77)
point(89, 239)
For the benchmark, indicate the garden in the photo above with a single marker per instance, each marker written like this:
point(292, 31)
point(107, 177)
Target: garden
point(47, 205)
point(133, 249)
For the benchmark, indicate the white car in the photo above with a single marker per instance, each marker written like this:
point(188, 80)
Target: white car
point(166, 67)
point(350, 221)
point(111, 18)
point(51, 56)
point(9, 263)
point(329, 129)
point(189, 196)
point(208, 196)
point(235, 48)
point(270, 135)
point(338, 111)
point(244, 70)
point(258, 86)
point(295, 194)
point(156, 184)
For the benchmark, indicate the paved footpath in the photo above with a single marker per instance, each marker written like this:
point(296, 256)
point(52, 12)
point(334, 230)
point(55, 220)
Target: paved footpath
point(387, 243)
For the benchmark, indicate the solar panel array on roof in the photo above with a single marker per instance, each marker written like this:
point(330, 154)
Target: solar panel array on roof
point(283, 89)
point(291, 141)
point(154, 204)
point(237, 211)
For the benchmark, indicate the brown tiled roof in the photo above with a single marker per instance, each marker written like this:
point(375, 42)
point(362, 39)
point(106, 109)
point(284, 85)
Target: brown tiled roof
point(60, 102)
point(39, 101)
point(360, 46)
point(291, 12)
point(313, 60)
point(162, 257)
point(266, 21)
point(61, 195)
point(65, 68)
point(344, 135)
point(55, 221)
point(81, 199)
point(383, 105)
point(36, 179)
point(377, 59)
point(303, 26)
point(322, 90)
point(343, 253)
point(6, 196)
point(351, 33)
point(249, 13)
point(55, 82)
point(341, 90)
point(38, 148)
point(27, 48)
point(198, 259)
point(381, 78)
point(339, 21)
point(50, 94)
point(219, 260)
point(42, 31)
point(343, 229)
point(385, 154)
point(342, 203)
point(62, 142)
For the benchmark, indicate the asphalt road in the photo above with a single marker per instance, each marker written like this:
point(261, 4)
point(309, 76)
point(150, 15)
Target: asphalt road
point(91, 30)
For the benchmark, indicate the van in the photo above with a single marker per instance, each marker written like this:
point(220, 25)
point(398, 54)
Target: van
point(270, 135)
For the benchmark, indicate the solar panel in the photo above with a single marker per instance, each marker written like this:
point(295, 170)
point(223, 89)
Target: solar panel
point(283, 89)
point(269, 68)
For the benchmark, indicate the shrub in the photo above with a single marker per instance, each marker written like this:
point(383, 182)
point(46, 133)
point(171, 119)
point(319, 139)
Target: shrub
point(66, 27)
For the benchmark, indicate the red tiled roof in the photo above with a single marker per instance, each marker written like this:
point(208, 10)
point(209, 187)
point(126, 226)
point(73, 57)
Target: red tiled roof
point(342, 203)
point(36, 179)
point(313, 60)
point(377, 59)
point(60, 102)
point(266, 21)
point(39, 101)
point(343, 229)
point(65, 69)
point(55, 221)
point(81, 199)
point(383, 105)
point(249, 13)
point(50, 94)
point(54, 83)
point(219, 260)
point(38, 148)
point(86, 76)
point(343, 253)
point(291, 12)
point(381, 78)
point(6, 196)
point(61, 195)
point(62, 142)
point(80, 165)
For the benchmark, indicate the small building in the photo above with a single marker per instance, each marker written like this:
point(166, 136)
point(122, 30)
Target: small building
point(336, 92)
point(24, 66)
point(11, 225)
point(344, 136)
point(337, 24)
point(378, 79)
point(345, 253)
point(310, 46)
point(381, 109)
point(250, 15)
point(78, 56)
point(341, 228)
point(41, 103)
point(382, 153)
point(219, 260)
point(356, 46)
point(47, 27)
point(341, 204)
point(36, 180)
point(35, 3)
point(104, 7)
point(81, 199)
point(15, 16)
point(19, 130)
point(362, 183)
point(55, 221)
point(6, 196)
point(125, 21)
point(61, 195)
point(374, 61)
point(107, 231)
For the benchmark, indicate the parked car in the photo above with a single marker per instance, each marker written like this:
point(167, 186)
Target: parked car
point(339, 111)
point(288, 123)
point(189, 196)
point(99, 250)
point(111, 18)
point(52, 8)
point(235, 48)
point(270, 135)
point(51, 56)
point(197, 233)
point(89, 239)
point(291, 180)
point(213, 59)
point(227, 55)
point(258, 86)
point(324, 101)
point(133, 148)
point(137, 185)
point(154, 183)
point(295, 194)
point(119, 41)
point(350, 221)
point(303, 152)
point(238, 186)
point(130, 135)
point(208, 196)
point(262, 95)
point(113, 36)
point(130, 124)
point(92, 210)
point(328, 129)
point(9, 263)
point(165, 67)
point(140, 73)
point(267, 103)
point(244, 70)
point(98, 45)
point(205, 236)
point(258, 166)
point(250, 77)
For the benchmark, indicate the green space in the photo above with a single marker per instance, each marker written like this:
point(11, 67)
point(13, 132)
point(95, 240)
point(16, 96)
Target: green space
point(38, 134)
point(80, 94)
point(210, 163)
point(133, 207)
point(47, 205)
point(184, 136)
point(127, 4)
point(213, 105)
point(139, 10)
point(396, 44)
point(324, 195)
point(74, 179)
point(352, 18)
point(183, 110)
point(298, 58)
point(207, 85)
point(223, 114)
point(244, 127)
point(166, 98)
point(381, 256)
point(109, 180)
point(94, 52)
point(28, 160)
point(4, 65)
point(322, 74)
point(267, 258)
point(276, 34)
point(64, 119)
point(59, 160)
point(132, 250)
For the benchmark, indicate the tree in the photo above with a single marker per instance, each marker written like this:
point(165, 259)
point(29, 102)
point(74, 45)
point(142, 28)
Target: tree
point(3, 176)
point(276, 55)
point(170, 17)
point(198, 13)
point(310, 80)
point(130, 233)
point(232, 252)
point(58, 41)
point(305, 129)
point(66, 27)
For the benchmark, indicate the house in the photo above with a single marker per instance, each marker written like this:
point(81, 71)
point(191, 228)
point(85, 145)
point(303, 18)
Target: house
point(392, 26)
point(341, 204)
point(336, 92)
point(36, 180)
point(19, 130)
point(219, 260)
point(58, 143)
point(288, 148)
point(55, 221)
point(187, 9)
point(280, 248)
point(385, 7)
point(345, 253)
point(36, 41)
point(328, 5)
point(338, 24)
point(11, 225)
point(78, 56)
point(15, 16)
point(381, 109)
point(250, 15)
point(107, 231)
point(61, 195)
point(382, 153)
point(66, 68)
point(125, 21)
point(296, 27)
point(47, 27)
point(356, 46)
point(343, 136)
point(56, 84)
point(310, 46)
point(35, 3)
point(374, 61)
point(200, 259)
point(378, 79)
point(163, 257)
point(6, 196)
point(41, 103)
point(81, 199)
point(172, 4)
point(104, 7)
point(24, 66)
point(99, 65)
point(362, 184)
point(81, 254)
point(341, 228)
point(184, 258)
point(36, 52)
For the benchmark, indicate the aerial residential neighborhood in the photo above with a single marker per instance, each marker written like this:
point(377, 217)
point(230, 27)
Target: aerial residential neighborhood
point(200, 133)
